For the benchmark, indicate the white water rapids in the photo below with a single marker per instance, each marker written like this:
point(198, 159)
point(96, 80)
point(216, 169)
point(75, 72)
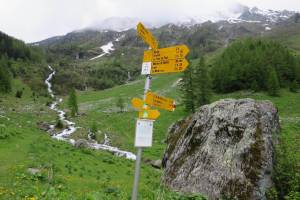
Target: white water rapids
point(71, 128)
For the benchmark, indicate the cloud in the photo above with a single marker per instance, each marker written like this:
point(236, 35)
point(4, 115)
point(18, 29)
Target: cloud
point(34, 20)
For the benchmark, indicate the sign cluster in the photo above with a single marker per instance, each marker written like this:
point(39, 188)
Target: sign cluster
point(157, 61)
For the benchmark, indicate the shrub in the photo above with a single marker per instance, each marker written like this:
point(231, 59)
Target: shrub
point(59, 124)
point(294, 86)
point(19, 94)
point(3, 134)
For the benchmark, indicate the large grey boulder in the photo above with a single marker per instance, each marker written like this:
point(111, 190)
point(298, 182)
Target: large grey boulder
point(226, 149)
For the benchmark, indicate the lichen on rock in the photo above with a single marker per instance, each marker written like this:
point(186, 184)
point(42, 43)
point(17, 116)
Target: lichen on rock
point(226, 149)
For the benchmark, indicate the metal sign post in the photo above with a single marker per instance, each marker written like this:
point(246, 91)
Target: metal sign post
point(156, 61)
point(139, 150)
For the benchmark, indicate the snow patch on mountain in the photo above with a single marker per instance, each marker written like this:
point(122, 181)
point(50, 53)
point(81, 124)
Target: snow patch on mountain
point(268, 28)
point(266, 15)
point(108, 48)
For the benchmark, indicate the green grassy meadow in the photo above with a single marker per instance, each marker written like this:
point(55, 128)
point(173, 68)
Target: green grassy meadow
point(69, 173)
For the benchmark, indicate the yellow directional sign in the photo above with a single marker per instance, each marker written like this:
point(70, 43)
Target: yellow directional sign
point(160, 102)
point(169, 66)
point(149, 114)
point(138, 103)
point(147, 36)
point(169, 53)
point(144, 109)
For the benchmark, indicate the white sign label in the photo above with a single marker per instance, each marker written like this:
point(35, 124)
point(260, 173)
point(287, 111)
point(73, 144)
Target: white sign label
point(146, 68)
point(143, 133)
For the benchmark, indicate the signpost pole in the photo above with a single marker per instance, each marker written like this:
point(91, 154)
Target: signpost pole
point(139, 150)
point(155, 61)
point(137, 173)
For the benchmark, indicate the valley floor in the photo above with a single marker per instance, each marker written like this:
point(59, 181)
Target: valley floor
point(35, 165)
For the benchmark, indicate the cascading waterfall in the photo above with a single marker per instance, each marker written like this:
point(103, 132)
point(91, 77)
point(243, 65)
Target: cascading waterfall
point(71, 128)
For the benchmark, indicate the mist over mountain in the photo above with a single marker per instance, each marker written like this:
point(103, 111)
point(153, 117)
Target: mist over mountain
point(235, 13)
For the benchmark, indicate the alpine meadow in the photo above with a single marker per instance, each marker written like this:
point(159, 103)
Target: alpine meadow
point(117, 103)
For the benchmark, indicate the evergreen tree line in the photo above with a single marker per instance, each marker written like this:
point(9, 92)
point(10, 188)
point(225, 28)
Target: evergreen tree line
point(257, 64)
point(17, 59)
point(14, 48)
point(5, 76)
point(249, 64)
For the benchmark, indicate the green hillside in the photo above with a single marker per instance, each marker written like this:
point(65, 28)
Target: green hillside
point(36, 166)
point(63, 169)
point(64, 172)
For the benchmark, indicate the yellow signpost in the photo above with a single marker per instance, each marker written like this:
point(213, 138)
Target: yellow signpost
point(169, 53)
point(155, 100)
point(169, 66)
point(149, 114)
point(156, 61)
point(138, 104)
point(147, 36)
point(165, 60)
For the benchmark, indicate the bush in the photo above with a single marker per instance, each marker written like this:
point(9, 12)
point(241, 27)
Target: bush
point(294, 86)
point(72, 102)
point(273, 84)
point(120, 103)
point(94, 128)
point(3, 134)
point(19, 94)
point(59, 124)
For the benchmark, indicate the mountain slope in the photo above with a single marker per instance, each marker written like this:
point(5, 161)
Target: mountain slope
point(82, 61)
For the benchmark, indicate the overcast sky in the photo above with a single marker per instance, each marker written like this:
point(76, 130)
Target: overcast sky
point(34, 20)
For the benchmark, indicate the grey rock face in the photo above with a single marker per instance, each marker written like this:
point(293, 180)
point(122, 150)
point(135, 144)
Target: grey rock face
point(226, 149)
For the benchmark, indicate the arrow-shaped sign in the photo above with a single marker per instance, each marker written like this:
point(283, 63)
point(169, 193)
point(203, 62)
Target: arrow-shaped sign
point(144, 109)
point(149, 114)
point(169, 53)
point(147, 36)
point(160, 102)
point(165, 60)
point(169, 66)
point(139, 104)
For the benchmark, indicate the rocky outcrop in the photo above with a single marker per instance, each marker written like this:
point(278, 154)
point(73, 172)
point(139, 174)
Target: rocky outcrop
point(44, 126)
point(226, 149)
point(81, 143)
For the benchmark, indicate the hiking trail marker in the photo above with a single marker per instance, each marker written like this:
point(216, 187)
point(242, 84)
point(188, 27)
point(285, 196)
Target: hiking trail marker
point(164, 103)
point(155, 61)
point(147, 36)
point(165, 60)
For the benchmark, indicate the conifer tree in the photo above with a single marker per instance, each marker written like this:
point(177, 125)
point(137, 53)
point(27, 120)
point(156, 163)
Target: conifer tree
point(201, 84)
point(294, 86)
point(254, 86)
point(188, 90)
point(273, 83)
point(120, 104)
point(5, 78)
point(73, 102)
